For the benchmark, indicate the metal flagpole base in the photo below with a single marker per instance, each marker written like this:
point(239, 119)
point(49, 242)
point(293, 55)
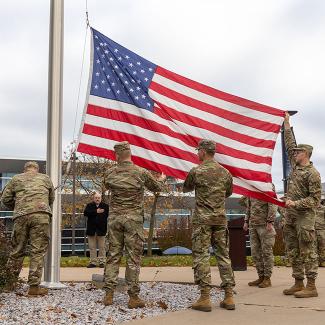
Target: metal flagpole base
point(53, 285)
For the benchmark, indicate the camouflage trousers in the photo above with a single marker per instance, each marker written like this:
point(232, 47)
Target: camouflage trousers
point(262, 242)
point(124, 233)
point(203, 237)
point(301, 245)
point(33, 228)
point(320, 236)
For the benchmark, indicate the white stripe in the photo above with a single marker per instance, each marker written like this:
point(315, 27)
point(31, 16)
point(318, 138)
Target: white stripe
point(234, 108)
point(180, 127)
point(175, 163)
point(254, 186)
point(206, 134)
point(132, 109)
point(164, 139)
point(242, 163)
point(139, 131)
point(219, 121)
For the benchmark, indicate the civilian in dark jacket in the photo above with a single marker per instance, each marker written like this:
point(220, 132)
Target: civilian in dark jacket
point(97, 214)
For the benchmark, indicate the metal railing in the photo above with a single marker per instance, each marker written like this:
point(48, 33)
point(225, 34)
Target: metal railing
point(78, 242)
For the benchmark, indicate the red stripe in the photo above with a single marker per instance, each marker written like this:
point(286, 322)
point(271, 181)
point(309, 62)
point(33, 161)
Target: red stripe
point(248, 174)
point(264, 196)
point(214, 110)
point(169, 151)
point(139, 141)
point(219, 94)
point(203, 124)
point(109, 154)
point(157, 127)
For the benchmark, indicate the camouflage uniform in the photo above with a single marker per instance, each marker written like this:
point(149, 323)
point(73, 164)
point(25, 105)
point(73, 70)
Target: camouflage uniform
point(258, 214)
point(126, 182)
point(320, 234)
point(282, 212)
point(30, 195)
point(304, 188)
point(212, 184)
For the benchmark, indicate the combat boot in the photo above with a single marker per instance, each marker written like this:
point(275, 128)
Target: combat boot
point(256, 282)
point(228, 303)
point(37, 291)
point(298, 286)
point(108, 298)
point(309, 291)
point(266, 283)
point(204, 302)
point(136, 302)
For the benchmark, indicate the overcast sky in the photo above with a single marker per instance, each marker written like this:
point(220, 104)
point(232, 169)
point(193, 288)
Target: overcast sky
point(267, 51)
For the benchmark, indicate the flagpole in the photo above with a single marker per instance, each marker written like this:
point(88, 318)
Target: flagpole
point(54, 141)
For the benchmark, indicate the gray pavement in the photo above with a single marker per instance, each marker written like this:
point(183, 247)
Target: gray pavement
point(253, 305)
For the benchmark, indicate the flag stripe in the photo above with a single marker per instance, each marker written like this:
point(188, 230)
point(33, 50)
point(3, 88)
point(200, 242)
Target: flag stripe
point(118, 115)
point(257, 195)
point(212, 113)
point(167, 146)
point(221, 99)
point(216, 129)
point(145, 163)
point(194, 133)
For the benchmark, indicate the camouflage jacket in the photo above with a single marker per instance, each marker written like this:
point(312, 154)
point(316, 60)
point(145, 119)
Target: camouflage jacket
point(304, 183)
point(212, 184)
point(28, 193)
point(320, 218)
point(282, 212)
point(259, 212)
point(127, 182)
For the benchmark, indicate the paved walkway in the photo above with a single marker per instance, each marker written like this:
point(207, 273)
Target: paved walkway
point(253, 305)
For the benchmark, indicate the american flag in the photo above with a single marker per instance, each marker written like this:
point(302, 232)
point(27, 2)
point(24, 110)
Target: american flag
point(163, 116)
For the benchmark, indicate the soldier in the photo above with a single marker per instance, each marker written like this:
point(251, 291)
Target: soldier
point(31, 195)
point(125, 226)
point(320, 233)
point(303, 197)
point(212, 184)
point(260, 216)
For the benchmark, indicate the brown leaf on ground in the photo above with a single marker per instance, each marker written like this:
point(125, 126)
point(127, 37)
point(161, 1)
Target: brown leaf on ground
point(122, 310)
point(73, 315)
point(55, 309)
point(162, 304)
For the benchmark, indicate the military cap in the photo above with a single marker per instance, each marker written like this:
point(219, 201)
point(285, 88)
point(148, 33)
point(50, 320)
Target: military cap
point(31, 164)
point(207, 145)
point(304, 147)
point(121, 146)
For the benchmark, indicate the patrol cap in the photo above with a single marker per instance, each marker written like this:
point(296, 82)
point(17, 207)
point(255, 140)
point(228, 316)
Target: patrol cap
point(121, 146)
point(304, 147)
point(31, 164)
point(207, 145)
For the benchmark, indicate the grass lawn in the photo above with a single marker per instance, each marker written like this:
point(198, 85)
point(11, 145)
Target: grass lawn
point(170, 260)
